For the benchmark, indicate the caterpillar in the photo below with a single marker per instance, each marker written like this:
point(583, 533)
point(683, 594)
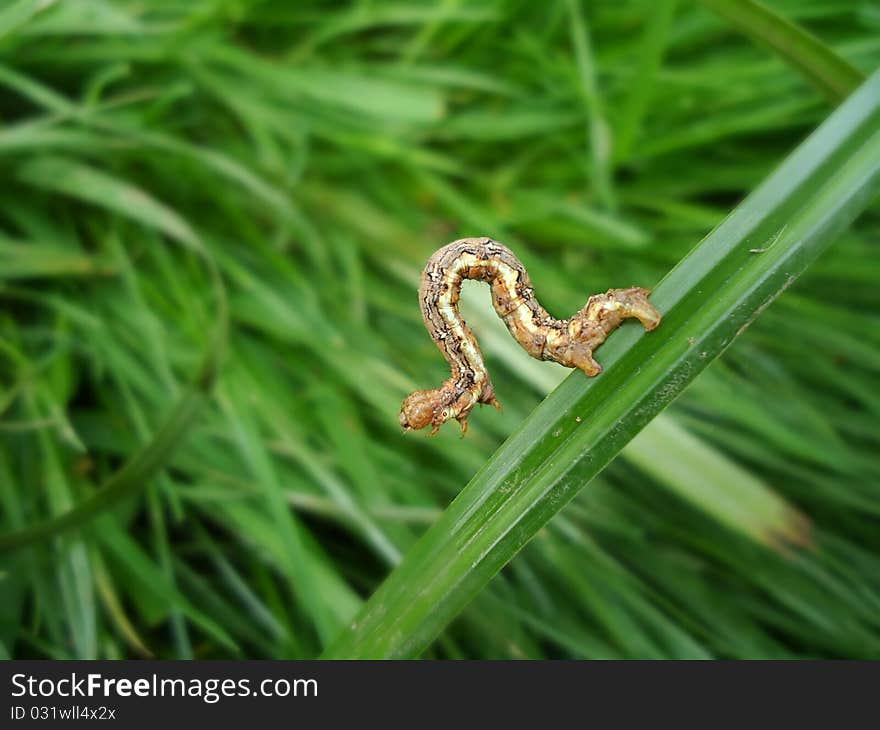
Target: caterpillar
point(570, 342)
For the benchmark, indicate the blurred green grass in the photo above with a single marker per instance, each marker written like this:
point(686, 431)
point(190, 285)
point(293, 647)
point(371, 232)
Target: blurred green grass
point(315, 155)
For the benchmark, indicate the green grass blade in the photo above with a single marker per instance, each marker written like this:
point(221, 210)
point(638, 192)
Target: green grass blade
point(832, 75)
point(674, 457)
point(130, 479)
point(80, 181)
point(710, 298)
point(18, 13)
point(93, 186)
point(731, 494)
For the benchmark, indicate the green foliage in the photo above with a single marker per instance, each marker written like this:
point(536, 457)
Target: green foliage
point(302, 160)
point(709, 299)
point(830, 73)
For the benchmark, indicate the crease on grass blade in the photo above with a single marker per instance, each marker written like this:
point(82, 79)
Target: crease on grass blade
point(708, 299)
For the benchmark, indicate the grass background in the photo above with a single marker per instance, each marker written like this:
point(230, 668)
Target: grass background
point(282, 171)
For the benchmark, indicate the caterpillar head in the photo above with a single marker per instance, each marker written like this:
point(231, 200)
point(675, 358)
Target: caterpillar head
point(418, 409)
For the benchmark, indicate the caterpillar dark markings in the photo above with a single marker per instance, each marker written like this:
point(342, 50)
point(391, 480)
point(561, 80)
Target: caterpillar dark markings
point(569, 342)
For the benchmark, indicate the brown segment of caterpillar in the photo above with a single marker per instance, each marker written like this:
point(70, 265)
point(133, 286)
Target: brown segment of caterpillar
point(569, 342)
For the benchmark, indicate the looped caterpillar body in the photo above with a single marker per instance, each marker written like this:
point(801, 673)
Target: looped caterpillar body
point(569, 342)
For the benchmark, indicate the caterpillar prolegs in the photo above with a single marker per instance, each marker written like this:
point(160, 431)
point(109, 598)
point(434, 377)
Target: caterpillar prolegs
point(569, 342)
